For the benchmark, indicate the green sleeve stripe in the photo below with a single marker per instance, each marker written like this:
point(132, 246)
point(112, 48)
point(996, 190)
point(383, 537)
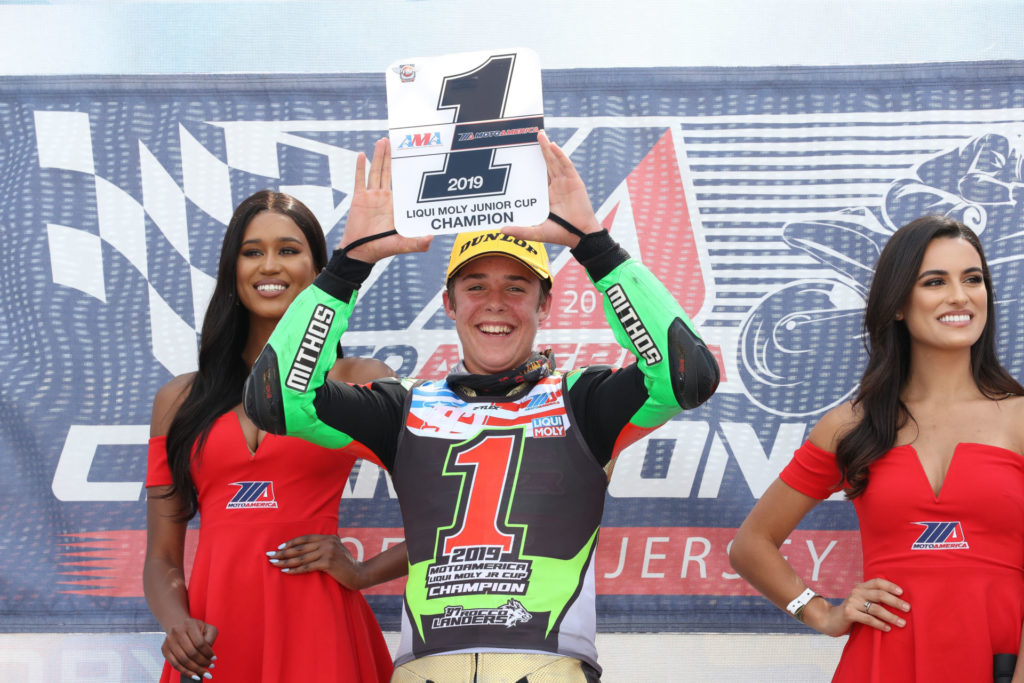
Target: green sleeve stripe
point(640, 311)
point(305, 342)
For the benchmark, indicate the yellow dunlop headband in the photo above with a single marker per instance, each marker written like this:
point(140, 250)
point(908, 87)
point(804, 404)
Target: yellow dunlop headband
point(473, 245)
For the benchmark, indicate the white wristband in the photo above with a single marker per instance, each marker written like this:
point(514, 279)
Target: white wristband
point(800, 601)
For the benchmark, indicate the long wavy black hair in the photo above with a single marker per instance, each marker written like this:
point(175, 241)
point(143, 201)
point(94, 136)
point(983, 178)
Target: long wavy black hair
point(217, 385)
point(882, 411)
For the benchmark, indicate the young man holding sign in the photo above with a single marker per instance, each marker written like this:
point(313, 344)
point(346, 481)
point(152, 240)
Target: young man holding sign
point(499, 468)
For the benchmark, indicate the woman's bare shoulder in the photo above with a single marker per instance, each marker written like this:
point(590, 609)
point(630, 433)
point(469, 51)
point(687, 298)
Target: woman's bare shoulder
point(833, 425)
point(1014, 409)
point(167, 401)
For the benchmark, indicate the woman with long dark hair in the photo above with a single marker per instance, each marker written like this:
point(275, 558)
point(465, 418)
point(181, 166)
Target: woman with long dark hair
point(929, 451)
point(266, 598)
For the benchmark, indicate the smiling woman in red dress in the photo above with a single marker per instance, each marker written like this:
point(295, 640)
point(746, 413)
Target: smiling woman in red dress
point(929, 451)
point(265, 600)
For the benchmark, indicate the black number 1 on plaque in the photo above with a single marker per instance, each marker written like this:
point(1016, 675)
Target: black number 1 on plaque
point(477, 95)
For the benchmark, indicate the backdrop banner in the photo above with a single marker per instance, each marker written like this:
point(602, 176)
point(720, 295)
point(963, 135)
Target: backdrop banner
point(760, 197)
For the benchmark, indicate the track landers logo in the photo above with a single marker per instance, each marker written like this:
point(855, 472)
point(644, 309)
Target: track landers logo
point(638, 334)
point(940, 536)
point(253, 494)
point(309, 350)
point(508, 615)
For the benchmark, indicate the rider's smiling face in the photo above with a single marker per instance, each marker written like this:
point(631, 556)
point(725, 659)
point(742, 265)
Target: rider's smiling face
point(497, 305)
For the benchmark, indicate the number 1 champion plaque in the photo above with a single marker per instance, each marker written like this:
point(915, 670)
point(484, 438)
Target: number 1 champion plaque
point(464, 148)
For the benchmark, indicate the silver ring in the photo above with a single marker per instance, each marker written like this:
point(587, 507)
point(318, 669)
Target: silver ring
point(867, 606)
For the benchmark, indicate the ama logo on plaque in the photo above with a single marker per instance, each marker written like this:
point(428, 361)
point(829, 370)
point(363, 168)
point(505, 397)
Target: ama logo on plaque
point(418, 140)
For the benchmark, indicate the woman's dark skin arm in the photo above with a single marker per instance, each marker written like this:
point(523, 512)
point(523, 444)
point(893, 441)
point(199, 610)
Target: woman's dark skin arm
point(328, 554)
point(188, 644)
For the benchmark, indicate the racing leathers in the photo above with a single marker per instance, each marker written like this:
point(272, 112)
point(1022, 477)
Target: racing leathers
point(501, 492)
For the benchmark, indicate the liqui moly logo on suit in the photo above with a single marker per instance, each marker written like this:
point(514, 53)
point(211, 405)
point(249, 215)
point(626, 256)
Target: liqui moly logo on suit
point(547, 426)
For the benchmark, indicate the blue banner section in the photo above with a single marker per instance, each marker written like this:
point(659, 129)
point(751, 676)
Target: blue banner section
point(760, 197)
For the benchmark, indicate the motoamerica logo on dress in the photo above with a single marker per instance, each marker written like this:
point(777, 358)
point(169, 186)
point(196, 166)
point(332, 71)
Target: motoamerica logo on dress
point(253, 494)
point(940, 536)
